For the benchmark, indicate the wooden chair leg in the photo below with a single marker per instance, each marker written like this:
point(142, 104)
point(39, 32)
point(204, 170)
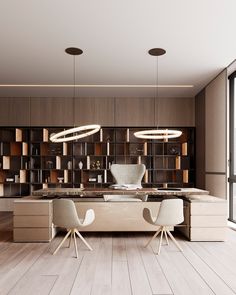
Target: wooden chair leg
point(80, 236)
point(76, 250)
point(166, 237)
point(174, 240)
point(160, 242)
point(152, 238)
point(59, 246)
point(70, 241)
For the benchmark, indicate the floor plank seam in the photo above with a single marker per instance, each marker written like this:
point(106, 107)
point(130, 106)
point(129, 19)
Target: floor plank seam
point(25, 273)
point(143, 264)
point(131, 289)
point(76, 275)
point(212, 268)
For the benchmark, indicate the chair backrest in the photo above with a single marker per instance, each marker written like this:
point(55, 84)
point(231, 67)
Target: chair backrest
point(128, 173)
point(171, 212)
point(65, 214)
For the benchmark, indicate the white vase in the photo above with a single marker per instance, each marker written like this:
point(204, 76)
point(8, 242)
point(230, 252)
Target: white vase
point(80, 165)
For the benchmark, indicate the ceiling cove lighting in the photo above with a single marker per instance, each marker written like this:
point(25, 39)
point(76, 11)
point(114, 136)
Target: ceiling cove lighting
point(98, 86)
point(157, 133)
point(80, 131)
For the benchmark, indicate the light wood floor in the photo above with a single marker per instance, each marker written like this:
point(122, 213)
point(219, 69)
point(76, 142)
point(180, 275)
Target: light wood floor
point(119, 265)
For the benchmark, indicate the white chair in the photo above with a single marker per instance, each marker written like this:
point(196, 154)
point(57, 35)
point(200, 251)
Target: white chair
point(170, 214)
point(131, 174)
point(65, 216)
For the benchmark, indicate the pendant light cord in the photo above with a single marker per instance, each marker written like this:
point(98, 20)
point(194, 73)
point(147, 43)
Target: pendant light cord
point(156, 94)
point(74, 75)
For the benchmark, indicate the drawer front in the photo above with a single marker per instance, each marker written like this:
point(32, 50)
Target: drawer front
point(32, 208)
point(32, 234)
point(32, 221)
point(209, 208)
point(208, 221)
point(208, 234)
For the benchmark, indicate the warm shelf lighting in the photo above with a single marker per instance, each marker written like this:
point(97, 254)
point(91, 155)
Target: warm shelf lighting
point(61, 136)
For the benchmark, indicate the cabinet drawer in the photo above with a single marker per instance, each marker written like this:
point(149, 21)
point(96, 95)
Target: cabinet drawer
point(208, 234)
point(208, 221)
point(32, 208)
point(32, 234)
point(32, 221)
point(209, 208)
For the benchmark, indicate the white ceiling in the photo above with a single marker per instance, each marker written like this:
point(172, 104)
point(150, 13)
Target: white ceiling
point(199, 37)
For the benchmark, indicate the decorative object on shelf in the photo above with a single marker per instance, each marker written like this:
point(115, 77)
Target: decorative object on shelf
point(93, 165)
point(76, 131)
point(49, 164)
point(80, 165)
point(99, 178)
point(174, 150)
point(158, 133)
point(60, 179)
point(69, 165)
point(98, 165)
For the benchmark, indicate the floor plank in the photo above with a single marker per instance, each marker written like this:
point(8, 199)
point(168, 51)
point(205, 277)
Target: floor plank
point(158, 282)
point(138, 277)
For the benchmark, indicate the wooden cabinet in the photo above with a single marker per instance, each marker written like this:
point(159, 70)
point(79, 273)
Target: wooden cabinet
point(206, 218)
point(32, 221)
point(51, 112)
point(94, 111)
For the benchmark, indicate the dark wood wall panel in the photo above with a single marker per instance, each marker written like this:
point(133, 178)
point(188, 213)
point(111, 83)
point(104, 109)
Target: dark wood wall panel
point(51, 111)
point(200, 139)
point(94, 111)
point(134, 112)
point(175, 111)
point(14, 112)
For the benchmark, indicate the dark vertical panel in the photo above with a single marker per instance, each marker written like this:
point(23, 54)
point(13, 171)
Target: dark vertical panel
point(200, 139)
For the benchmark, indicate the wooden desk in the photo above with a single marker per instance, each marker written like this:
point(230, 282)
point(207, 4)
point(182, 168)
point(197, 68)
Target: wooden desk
point(205, 216)
point(92, 192)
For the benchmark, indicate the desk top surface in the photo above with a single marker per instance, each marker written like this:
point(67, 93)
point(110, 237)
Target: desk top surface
point(109, 191)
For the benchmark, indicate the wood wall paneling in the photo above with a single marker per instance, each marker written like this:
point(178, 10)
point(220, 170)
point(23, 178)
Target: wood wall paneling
point(14, 112)
point(215, 117)
point(216, 185)
point(94, 111)
point(134, 112)
point(200, 139)
point(175, 111)
point(51, 112)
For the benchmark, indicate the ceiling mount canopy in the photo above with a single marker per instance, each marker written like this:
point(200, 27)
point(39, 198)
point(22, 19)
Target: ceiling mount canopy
point(79, 131)
point(157, 133)
point(73, 51)
point(157, 51)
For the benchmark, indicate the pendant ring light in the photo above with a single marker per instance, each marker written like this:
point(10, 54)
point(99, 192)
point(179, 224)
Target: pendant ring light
point(157, 133)
point(76, 131)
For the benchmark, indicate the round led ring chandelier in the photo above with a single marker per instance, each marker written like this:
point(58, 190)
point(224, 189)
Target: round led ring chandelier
point(61, 136)
point(158, 134)
point(80, 131)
